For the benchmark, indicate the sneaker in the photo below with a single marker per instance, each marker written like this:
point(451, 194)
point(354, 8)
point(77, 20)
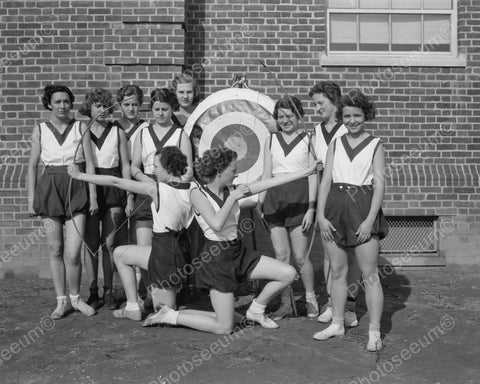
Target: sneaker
point(326, 316)
point(350, 319)
point(283, 311)
point(159, 317)
point(60, 310)
point(79, 305)
point(333, 330)
point(312, 309)
point(262, 319)
point(131, 315)
point(374, 341)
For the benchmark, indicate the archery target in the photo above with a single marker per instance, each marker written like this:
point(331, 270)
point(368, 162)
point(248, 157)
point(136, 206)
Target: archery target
point(239, 119)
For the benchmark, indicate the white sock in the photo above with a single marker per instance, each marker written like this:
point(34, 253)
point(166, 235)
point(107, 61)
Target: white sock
point(374, 327)
point(171, 317)
point(257, 308)
point(59, 298)
point(74, 297)
point(132, 306)
point(310, 296)
point(340, 321)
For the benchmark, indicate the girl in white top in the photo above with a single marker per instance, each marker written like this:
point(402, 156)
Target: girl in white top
point(224, 260)
point(172, 211)
point(326, 97)
point(187, 90)
point(55, 143)
point(349, 212)
point(110, 156)
point(162, 132)
point(289, 209)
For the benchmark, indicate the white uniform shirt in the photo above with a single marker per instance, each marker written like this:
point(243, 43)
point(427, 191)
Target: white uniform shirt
point(354, 166)
point(105, 149)
point(324, 138)
point(132, 135)
point(151, 144)
point(175, 210)
point(229, 231)
point(59, 149)
point(292, 157)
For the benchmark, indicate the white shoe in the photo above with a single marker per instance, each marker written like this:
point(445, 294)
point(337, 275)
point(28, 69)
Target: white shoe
point(60, 310)
point(162, 316)
point(350, 319)
point(374, 341)
point(334, 330)
point(262, 319)
point(83, 307)
point(326, 316)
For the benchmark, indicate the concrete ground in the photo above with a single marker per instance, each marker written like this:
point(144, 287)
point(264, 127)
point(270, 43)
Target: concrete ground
point(430, 328)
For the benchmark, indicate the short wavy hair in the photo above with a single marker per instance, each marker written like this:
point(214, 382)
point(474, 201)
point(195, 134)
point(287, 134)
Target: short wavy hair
point(50, 89)
point(163, 95)
point(130, 90)
point(213, 162)
point(173, 160)
point(330, 89)
point(355, 98)
point(292, 103)
point(186, 77)
point(96, 95)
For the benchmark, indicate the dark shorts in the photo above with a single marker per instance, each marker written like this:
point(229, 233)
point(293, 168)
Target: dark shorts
point(142, 210)
point(347, 207)
point(224, 265)
point(286, 205)
point(167, 261)
point(51, 197)
point(108, 197)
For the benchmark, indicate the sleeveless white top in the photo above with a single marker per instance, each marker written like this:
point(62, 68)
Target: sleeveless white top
point(354, 166)
point(105, 149)
point(292, 157)
point(175, 210)
point(229, 231)
point(151, 144)
point(132, 135)
point(59, 149)
point(324, 138)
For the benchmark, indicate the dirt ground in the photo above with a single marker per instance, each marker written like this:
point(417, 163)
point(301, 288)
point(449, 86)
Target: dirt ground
point(430, 326)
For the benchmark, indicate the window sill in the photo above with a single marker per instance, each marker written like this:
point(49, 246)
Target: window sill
point(409, 60)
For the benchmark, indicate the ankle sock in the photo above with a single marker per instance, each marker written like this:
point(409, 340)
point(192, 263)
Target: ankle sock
point(374, 327)
point(171, 318)
point(257, 308)
point(74, 298)
point(338, 321)
point(310, 296)
point(132, 306)
point(59, 298)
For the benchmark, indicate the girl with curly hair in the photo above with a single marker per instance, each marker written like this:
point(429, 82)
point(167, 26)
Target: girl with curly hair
point(350, 212)
point(171, 211)
point(187, 91)
point(110, 157)
point(55, 143)
point(224, 262)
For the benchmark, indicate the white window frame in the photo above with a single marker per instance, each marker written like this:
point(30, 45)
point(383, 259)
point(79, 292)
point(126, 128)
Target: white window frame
point(396, 59)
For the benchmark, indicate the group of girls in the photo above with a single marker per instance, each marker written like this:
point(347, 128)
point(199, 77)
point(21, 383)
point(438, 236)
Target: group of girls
point(292, 196)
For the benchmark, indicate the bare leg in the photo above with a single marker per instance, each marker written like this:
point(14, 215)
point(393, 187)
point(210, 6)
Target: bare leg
point(339, 268)
point(55, 247)
point(73, 243)
point(300, 248)
point(111, 223)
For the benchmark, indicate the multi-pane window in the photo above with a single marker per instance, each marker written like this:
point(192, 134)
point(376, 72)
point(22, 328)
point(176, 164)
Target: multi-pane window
point(392, 27)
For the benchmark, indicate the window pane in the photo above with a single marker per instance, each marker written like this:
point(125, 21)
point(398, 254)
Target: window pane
point(375, 4)
point(343, 28)
point(342, 3)
point(373, 32)
point(437, 4)
point(406, 32)
point(406, 4)
point(436, 33)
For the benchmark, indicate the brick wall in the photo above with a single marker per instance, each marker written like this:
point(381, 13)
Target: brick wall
point(82, 44)
point(427, 116)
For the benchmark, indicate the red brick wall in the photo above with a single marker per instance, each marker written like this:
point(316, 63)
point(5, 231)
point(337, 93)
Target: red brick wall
point(427, 117)
point(83, 44)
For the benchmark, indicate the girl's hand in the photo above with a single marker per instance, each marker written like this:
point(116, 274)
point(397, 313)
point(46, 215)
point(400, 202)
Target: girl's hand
point(364, 232)
point(326, 229)
point(93, 210)
point(130, 205)
point(73, 171)
point(308, 220)
point(241, 191)
point(317, 166)
point(31, 211)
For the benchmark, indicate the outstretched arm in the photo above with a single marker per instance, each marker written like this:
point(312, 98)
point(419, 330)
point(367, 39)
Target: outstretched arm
point(141, 187)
